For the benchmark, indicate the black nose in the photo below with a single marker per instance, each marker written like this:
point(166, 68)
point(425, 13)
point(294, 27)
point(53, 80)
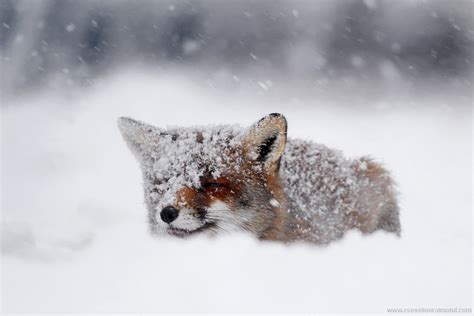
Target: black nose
point(169, 214)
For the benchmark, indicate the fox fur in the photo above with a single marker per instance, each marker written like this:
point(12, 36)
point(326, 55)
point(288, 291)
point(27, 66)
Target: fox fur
point(225, 178)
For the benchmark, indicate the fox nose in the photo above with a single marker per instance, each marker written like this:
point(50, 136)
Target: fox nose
point(169, 214)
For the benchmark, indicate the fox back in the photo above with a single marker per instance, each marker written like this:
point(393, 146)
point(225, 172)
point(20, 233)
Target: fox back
point(225, 178)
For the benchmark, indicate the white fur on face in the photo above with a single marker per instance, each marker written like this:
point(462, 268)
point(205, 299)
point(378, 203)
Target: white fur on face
point(186, 220)
point(225, 218)
point(219, 213)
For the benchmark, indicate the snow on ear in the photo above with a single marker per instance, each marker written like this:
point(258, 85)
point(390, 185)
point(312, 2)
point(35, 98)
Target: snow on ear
point(141, 138)
point(266, 141)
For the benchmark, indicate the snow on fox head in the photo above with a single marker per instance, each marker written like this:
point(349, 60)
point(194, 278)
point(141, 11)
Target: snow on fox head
point(210, 179)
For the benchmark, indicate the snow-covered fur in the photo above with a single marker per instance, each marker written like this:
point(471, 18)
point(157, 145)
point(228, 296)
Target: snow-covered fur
point(224, 178)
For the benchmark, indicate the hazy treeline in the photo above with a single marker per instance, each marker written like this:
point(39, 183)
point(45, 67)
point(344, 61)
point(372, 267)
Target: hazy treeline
point(78, 40)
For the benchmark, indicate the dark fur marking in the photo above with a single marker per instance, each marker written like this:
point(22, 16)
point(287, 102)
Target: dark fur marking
point(199, 138)
point(265, 148)
point(275, 114)
point(278, 163)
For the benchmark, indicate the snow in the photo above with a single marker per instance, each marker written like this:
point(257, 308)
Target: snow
point(74, 225)
point(191, 47)
point(70, 27)
point(370, 4)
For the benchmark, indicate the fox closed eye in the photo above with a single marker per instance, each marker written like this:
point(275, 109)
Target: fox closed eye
point(213, 185)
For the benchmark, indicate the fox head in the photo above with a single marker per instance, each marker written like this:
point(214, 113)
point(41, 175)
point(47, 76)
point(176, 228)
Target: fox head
point(211, 179)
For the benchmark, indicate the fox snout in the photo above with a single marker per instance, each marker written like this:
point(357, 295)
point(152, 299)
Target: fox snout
point(191, 210)
point(188, 201)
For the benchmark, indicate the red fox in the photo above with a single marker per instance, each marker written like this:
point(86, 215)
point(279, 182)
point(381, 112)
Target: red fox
point(225, 178)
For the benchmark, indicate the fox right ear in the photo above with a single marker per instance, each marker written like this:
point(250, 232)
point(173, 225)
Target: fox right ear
point(266, 141)
point(141, 138)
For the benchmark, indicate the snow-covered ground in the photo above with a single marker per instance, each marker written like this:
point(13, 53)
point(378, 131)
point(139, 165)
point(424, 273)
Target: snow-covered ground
point(74, 233)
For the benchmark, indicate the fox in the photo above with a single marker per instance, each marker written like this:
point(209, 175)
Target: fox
point(223, 178)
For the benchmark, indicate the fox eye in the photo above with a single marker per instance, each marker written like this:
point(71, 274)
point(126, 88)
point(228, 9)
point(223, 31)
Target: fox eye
point(208, 183)
point(212, 185)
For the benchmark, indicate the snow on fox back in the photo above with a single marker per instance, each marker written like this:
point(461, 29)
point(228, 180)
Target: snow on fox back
point(321, 187)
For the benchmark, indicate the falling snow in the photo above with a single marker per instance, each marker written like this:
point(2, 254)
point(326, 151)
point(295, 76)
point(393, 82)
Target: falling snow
point(70, 27)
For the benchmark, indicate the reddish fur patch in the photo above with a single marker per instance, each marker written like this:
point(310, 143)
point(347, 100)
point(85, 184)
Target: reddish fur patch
point(185, 197)
point(202, 198)
point(366, 219)
point(277, 230)
point(371, 170)
point(374, 171)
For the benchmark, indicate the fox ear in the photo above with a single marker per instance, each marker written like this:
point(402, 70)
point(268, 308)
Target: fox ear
point(266, 141)
point(141, 138)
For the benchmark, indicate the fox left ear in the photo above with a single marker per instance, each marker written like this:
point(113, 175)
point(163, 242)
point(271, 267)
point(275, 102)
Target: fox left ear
point(266, 141)
point(141, 138)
